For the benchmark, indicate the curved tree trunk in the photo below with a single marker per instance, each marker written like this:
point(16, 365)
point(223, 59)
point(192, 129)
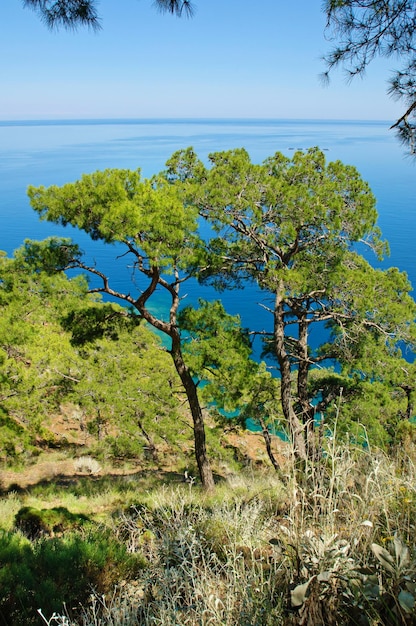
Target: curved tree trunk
point(204, 467)
point(170, 328)
point(295, 426)
point(268, 442)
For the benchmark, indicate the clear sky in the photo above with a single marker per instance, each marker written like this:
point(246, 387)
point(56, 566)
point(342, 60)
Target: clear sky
point(233, 59)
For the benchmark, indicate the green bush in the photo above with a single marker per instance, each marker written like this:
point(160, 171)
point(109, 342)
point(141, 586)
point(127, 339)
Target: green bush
point(123, 447)
point(50, 572)
point(35, 523)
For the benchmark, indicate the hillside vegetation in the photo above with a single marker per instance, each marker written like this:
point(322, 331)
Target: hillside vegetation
point(103, 519)
point(334, 546)
point(132, 492)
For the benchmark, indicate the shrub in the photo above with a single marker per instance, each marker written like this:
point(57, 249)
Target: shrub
point(35, 523)
point(51, 572)
point(123, 447)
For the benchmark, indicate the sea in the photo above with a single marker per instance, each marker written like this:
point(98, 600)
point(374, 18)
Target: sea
point(54, 152)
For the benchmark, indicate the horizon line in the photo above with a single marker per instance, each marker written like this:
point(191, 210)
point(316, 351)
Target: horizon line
point(68, 120)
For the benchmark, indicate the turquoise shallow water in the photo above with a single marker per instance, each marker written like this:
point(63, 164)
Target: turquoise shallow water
point(54, 152)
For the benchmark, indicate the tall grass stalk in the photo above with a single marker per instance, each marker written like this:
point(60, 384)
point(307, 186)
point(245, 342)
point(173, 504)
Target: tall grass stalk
point(9, 505)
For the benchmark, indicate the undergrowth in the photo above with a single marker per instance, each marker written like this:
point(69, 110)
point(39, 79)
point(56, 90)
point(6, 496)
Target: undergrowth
point(331, 545)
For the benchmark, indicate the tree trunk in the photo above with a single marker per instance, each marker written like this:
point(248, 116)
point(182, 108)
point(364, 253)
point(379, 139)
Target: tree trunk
point(204, 467)
point(151, 446)
point(295, 426)
point(409, 407)
point(308, 413)
point(170, 329)
point(268, 442)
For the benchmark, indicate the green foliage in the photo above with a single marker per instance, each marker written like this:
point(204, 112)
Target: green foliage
point(71, 14)
point(122, 447)
point(367, 30)
point(36, 356)
point(374, 391)
point(390, 588)
point(159, 233)
point(91, 323)
point(48, 256)
point(217, 336)
point(14, 440)
point(219, 351)
point(117, 206)
point(290, 225)
point(35, 523)
point(60, 345)
point(137, 396)
point(293, 225)
point(51, 572)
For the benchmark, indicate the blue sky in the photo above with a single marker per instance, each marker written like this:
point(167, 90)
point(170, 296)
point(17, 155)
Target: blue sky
point(233, 59)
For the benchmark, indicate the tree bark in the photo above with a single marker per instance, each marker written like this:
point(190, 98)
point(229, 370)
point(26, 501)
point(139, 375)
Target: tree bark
point(296, 428)
point(170, 328)
point(151, 446)
point(409, 407)
point(268, 442)
point(204, 468)
point(308, 413)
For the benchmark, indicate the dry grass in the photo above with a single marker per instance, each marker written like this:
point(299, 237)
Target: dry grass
point(262, 551)
point(333, 544)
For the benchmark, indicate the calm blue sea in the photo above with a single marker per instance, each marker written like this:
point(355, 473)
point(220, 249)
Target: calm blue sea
point(56, 152)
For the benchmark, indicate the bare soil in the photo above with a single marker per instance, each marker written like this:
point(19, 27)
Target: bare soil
point(68, 430)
